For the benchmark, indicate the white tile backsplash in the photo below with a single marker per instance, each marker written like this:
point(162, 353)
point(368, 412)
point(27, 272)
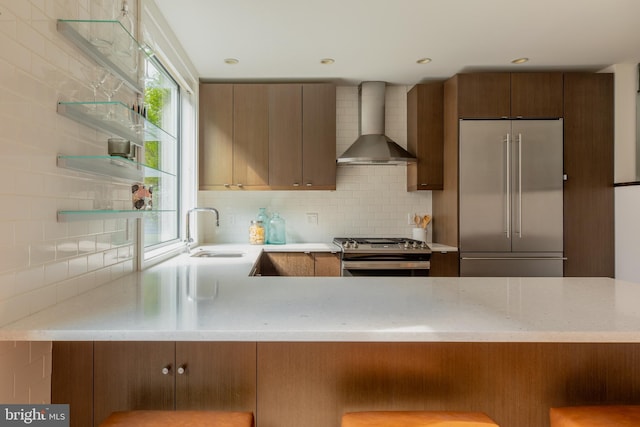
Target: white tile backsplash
point(43, 261)
point(368, 201)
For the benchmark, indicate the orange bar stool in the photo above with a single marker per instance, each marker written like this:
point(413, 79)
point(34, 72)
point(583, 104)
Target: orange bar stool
point(595, 416)
point(417, 419)
point(179, 419)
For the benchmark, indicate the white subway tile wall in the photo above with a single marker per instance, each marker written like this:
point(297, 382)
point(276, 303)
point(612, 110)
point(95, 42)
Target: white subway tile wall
point(42, 261)
point(368, 201)
point(29, 379)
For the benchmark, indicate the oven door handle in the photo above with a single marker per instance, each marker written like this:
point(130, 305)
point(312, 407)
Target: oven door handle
point(386, 265)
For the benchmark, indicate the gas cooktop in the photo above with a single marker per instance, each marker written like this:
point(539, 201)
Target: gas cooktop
point(381, 244)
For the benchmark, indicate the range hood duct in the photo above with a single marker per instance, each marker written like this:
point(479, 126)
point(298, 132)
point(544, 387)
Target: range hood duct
point(373, 147)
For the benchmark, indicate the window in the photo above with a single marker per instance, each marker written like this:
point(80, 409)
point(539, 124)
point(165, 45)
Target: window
point(162, 102)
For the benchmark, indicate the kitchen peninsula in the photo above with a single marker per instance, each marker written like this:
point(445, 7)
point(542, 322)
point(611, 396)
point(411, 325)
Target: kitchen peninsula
point(301, 351)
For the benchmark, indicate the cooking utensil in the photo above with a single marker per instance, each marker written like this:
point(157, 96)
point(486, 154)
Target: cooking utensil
point(425, 221)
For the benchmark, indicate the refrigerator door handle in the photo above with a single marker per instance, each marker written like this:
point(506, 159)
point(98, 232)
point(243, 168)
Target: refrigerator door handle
point(508, 192)
point(520, 185)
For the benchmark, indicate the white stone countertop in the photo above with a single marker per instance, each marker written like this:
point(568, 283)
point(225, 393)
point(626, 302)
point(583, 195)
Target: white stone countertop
point(213, 299)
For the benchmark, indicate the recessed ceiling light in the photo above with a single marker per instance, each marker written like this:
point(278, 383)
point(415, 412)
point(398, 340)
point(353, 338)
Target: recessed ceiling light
point(231, 61)
point(327, 61)
point(423, 61)
point(520, 60)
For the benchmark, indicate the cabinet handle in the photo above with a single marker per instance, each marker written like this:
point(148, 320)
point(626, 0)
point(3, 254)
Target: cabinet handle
point(182, 369)
point(296, 184)
point(166, 370)
point(424, 185)
point(227, 185)
point(309, 184)
point(239, 185)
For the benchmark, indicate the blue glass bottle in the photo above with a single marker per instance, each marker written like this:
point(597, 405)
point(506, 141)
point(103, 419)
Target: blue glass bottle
point(277, 230)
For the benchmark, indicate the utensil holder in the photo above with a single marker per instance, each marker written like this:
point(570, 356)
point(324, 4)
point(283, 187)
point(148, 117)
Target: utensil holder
point(420, 234)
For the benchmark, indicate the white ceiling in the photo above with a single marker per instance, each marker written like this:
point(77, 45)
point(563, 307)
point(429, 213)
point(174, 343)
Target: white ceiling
point(382, 39)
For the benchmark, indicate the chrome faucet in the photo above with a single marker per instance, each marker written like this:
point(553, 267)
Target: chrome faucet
point(212, 210)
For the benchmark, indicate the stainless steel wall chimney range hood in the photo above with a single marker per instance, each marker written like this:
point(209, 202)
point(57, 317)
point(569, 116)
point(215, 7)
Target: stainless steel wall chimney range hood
point(373, 147)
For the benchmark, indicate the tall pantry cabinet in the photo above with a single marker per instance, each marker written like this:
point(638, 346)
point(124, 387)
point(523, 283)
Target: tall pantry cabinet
point(585, 101)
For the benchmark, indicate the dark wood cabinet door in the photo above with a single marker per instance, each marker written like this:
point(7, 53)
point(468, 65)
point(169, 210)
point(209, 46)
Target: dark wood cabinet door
point(536, 95)
point(215, 135)
point(129, 375)
point(319, 136)
point(217, 376)
point(444, 264)
point(72, 379)
point(285, 135)
point(484, 95)
point(588, 163)
point(327, 264)
point(250, 135)
point(425, 136)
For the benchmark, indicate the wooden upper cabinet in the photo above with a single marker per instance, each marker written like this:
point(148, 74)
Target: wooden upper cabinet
point(267, 136)
point(302, 136)
point(215, 135)
point(536, 95)
point(250, 135)
point(319, 136)
point(425, 136)
point(484, 95)
point(233, 136)
point(510, 95)
point(285, 135)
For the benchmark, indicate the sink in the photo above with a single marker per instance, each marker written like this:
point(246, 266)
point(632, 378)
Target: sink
point(215, 254)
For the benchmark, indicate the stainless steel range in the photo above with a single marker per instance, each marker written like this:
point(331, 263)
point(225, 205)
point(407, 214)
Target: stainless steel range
point(375, 256)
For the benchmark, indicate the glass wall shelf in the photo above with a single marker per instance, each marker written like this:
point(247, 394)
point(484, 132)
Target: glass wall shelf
point(82, 32)
point(68, 216)
point(111, 166)
point(116, 118)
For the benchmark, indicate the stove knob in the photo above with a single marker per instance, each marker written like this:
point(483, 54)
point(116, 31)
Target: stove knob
point(415, 245)
point(406, 245)
point(424, 245)
point(346, 245)
point(354, 244)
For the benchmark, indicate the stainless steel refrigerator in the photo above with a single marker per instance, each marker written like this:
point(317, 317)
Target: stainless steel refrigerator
point(511, 183)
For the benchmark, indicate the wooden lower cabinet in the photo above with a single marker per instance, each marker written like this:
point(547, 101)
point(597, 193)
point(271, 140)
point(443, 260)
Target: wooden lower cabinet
point(72, 379)
point(327, 264)
point(129, 375)
point(300, 264)
point(444, 264)
point(311, 384)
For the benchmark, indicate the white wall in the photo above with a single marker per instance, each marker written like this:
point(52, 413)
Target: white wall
point(626, 83)
point(627, 233)
point(368, 201)
point(627, 199)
